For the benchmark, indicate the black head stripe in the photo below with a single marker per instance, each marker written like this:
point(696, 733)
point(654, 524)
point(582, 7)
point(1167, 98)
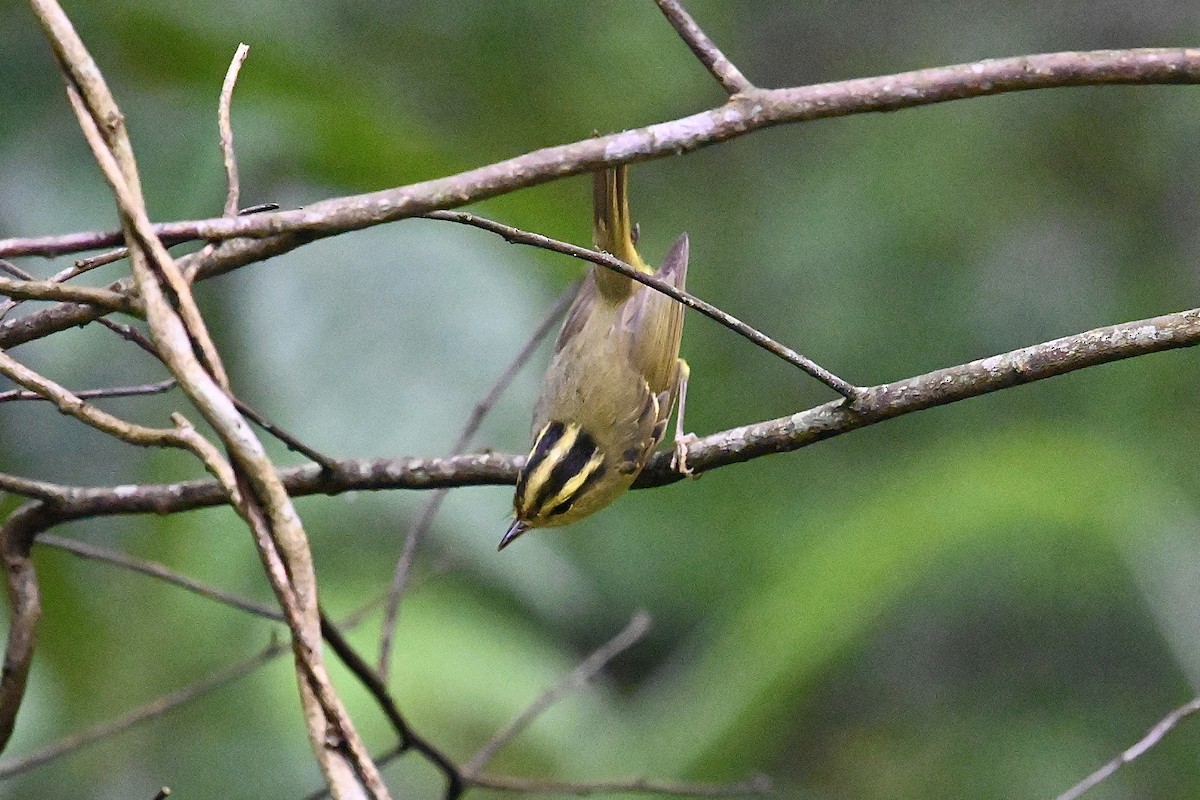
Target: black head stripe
point(546, 439)
point(565, 505)
point(567, 467)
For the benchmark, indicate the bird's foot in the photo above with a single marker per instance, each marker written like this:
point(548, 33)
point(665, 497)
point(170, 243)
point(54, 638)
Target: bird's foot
point(679, 459)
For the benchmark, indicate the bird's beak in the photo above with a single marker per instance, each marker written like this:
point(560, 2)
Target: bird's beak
point(514, 530)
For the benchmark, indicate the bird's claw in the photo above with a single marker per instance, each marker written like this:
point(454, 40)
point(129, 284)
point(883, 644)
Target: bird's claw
point(679, 459)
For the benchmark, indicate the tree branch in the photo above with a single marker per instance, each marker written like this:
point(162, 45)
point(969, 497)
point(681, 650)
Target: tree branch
point(155, 708)
point(609, 261)
point(262, 236)
point(755, 785)
point(729, 76)
point(101, 299)
point(1133, 753)
point(92, 394)
point(225, 128)
point(584, 672)
point(880, 403)
point(182, 341)
point(159, 571)
point(416, 532)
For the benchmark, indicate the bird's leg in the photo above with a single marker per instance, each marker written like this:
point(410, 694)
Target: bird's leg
point(682, 440)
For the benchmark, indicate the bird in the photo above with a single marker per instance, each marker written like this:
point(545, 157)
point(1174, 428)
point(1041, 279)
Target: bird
point(612, 382)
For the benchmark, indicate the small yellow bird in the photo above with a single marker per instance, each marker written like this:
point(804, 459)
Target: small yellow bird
point(612, 383)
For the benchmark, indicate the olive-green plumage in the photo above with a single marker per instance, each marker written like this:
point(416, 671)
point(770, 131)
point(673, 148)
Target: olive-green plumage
point(614, 378)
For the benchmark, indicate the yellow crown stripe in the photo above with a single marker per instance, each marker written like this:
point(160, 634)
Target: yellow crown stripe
point(541, 471)
point(575, 482)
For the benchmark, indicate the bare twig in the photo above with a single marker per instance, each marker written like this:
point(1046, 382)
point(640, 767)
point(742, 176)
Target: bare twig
point(757, 785)
point(42, 490)
point(416, 533)
point(409, 738)
point(709, 54)
point(152, 710)
point(159, 571)
point(85, 264)
point(842, 387)
point(181, 436)
point(33, 519)
point(171, 320)
point(225, 136)
point(293, 443)
point(225, 127)
point(587, 669)
point(12, 269)
point(15, 271)
point(1152, 738)
point(92, 394)
point(130, 334)
point(104, 299)
point(16, 535)
point(25, 607)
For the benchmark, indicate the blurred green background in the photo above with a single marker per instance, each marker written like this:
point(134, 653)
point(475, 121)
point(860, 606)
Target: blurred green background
point(986, 600)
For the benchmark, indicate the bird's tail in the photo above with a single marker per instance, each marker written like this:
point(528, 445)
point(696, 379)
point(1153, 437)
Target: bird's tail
point(612, 229)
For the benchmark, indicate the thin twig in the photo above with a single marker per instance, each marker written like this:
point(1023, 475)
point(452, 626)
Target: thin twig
point(130, 334)
point(704, 49)
point(157, 570)
point(587, 669)
point(1152, 738)
point(376, 686)
point(409, 738)
point(516, 235)
point(228, 158)
point(757, 785)
point(152, 710)
point(24, 606)
point(417, 532)
point(42, 490)
point(34, 521)
point(92, 394)
point(15, 271)
point(87, 295)
point(8, 304)
point(181, 436)
point(225, 128)
point(293, 443)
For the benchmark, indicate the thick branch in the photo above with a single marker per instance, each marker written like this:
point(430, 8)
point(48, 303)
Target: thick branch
point(271, 234)
point(182, 341)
